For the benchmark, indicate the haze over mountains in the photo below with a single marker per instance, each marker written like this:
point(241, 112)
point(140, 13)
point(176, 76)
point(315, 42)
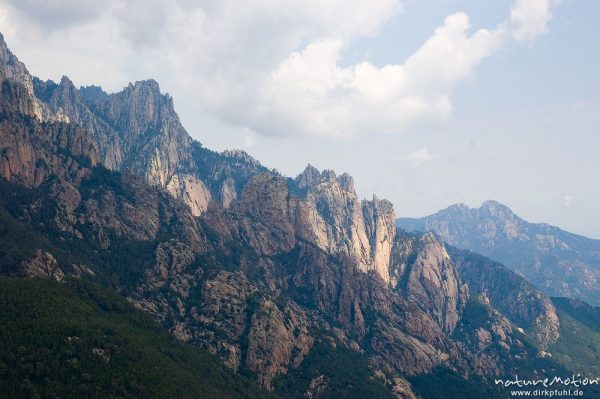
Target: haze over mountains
point(558, 262)
point(295, 283)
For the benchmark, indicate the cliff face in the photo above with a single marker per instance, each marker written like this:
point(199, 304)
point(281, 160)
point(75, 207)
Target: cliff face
point(333, 218)
point(558, 262)
point(14, 71)
point(154, 145)
point(138, 130)
point(423, 270)
point(34, 146)
point(31, 152)
point(257, 268)
point(64, 98)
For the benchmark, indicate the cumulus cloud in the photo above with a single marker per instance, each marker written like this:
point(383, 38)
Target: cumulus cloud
point(56, 14)
point(271, 67)
point(568, 200)
point(311, 89)
point(419, 157)
point(530, 17)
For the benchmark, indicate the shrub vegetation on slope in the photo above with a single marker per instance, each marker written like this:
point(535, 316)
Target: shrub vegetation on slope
point(78, 340)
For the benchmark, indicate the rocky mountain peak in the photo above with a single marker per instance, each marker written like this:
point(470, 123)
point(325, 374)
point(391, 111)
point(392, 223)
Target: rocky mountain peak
point(328, 216)
point(558, 262)
point(347, 182)
point(64, 97)
point(147, 90)
point(311, 177)
point(9, 63)
point(136, 129)
point(140, 107)
point(494, 220)
point(495, 208)
point(429, 238)
point(13, 70)
point(140, 130)
point(66, 82)
point(490, 204)
point(242, 156)
point(3, 48)
point(93, 94)
point(459, 208)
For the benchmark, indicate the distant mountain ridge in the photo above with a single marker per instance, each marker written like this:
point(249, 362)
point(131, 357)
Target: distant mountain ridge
point(558, 262)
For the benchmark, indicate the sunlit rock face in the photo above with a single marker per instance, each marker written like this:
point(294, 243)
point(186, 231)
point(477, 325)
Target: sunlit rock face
point(423, 271)
point(138, 130)
point(331, 216)
point(192, 191)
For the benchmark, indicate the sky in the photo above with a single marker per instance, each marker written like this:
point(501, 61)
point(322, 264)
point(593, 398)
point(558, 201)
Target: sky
point(425, 102)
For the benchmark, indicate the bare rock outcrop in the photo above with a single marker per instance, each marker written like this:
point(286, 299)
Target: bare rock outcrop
point(191, 190)
point(317, 387)
point(401, 334)
point(172, 259)
point(43, 265)
point(426, 275)
point(34, 144)
point(267, 204)
point(13, 70)
point(402, 389)
point(278, 339)
point(333, 218)
point(135, 129)
point(490, 339)
point(141, 109)
point(228, 192)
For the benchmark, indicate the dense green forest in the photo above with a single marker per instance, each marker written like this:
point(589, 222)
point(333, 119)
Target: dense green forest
point(338, 372)
point(578, 347)
point(78, 340)
point(448, 384)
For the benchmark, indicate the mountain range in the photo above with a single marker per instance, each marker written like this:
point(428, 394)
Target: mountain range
point(558, 262)
point(293, 283)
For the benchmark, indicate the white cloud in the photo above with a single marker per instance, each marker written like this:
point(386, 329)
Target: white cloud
point(269, 66)
point(249, 138)
point(581, 104)
point(530, 17)
point(311, 90)
point(55, 14)
point(568, 200)
point(419, 157)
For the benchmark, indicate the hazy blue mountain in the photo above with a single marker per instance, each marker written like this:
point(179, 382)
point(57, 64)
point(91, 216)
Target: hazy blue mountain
point(558, 262)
